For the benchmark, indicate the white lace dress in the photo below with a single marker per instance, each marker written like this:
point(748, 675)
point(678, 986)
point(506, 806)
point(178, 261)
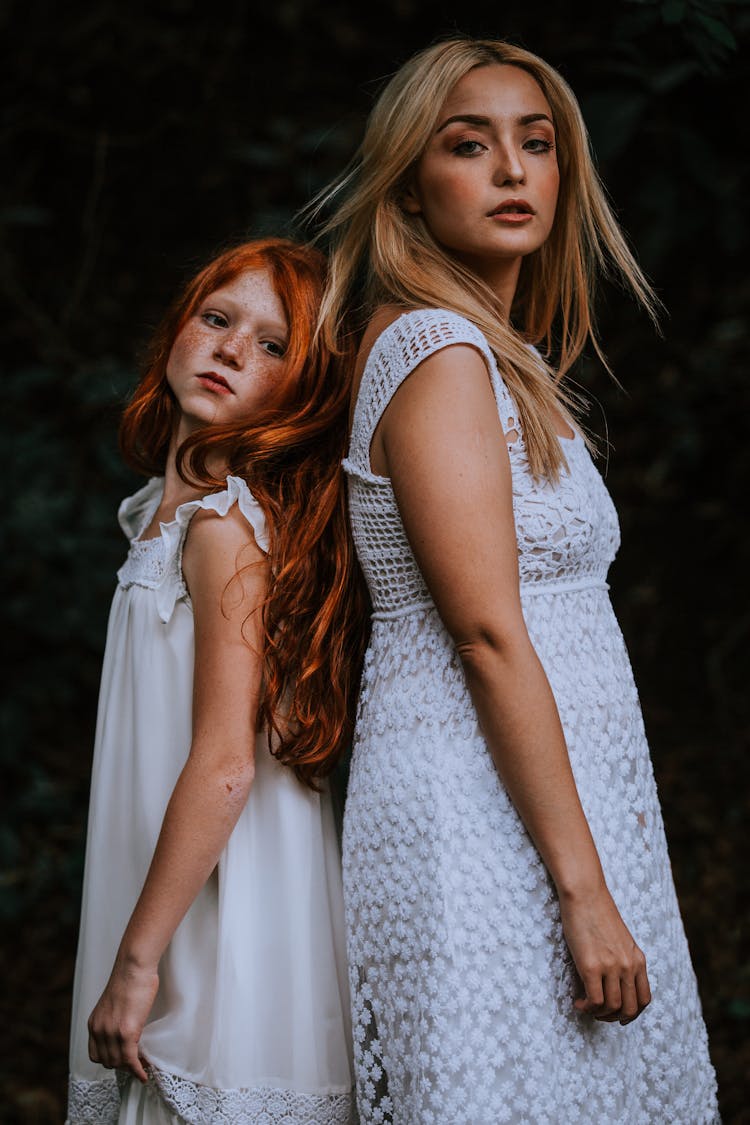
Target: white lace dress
point(462, 985)
point(251, 1022)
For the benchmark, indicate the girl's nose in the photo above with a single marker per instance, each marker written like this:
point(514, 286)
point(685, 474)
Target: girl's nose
point(230, 350)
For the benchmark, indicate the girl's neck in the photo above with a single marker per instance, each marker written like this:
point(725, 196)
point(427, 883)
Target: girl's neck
point(176, 490)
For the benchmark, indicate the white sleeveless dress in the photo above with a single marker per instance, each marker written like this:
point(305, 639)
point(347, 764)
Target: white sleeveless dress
point(251, 1021)
point(462, 985)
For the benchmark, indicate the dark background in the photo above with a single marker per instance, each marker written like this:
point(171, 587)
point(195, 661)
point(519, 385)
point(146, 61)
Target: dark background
point(139, 138)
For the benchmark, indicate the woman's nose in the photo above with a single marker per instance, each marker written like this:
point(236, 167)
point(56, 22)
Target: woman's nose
point(508, 168)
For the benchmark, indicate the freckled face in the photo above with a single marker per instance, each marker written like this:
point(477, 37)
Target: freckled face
point(229, 355)
point(487, 183)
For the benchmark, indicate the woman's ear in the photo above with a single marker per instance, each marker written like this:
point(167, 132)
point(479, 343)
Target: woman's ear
point(410, 200)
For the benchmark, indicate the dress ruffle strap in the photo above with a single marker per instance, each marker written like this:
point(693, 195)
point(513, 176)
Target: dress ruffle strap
point(136, 512)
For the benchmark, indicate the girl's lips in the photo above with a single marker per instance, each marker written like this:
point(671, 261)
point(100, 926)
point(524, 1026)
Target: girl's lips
point(216, 383)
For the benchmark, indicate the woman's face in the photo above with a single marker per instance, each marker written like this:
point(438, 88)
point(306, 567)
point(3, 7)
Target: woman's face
point(487, 183)
point(228, 357)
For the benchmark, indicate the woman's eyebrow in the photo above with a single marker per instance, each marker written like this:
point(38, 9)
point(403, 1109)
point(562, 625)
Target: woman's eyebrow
point(467, 119)
point(485, 122)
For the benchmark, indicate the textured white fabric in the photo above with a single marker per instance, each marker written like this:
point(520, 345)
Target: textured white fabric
point(251, 1022)
point(462, 985)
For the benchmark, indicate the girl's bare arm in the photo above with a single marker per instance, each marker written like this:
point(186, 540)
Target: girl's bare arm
point(214, 784)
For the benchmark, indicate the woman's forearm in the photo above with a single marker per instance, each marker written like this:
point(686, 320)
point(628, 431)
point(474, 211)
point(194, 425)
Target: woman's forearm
point(520, 722)
point(202, 812)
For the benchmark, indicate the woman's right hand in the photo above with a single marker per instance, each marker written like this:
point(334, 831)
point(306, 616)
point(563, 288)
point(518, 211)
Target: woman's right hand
point(610, 965)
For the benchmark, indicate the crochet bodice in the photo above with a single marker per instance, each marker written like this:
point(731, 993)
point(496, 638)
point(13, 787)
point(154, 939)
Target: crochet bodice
point(567, 533)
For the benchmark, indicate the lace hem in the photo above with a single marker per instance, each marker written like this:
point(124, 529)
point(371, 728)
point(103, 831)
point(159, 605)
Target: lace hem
point(200, 1105)
point(98, 1103)
point(93, 1103)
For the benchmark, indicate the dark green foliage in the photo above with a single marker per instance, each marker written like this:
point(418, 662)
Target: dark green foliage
point(139, 138)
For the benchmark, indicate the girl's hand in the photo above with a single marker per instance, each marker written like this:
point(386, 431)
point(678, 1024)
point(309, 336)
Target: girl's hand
point(116, 1023)
point(611, 966)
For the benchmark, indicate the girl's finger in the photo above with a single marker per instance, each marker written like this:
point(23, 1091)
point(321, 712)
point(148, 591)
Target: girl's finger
point(94, 1054)
point(132, 1060)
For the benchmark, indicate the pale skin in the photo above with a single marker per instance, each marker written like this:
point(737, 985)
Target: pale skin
point(441, 444)
point(239, 334)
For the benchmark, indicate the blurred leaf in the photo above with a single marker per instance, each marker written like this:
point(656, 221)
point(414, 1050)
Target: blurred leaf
point(674, 11)
point(717, 30)
point(25, 215)
point(613, 117)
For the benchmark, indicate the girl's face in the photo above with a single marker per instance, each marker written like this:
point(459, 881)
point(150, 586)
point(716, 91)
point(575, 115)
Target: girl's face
point(487, 183)
point(228, 357)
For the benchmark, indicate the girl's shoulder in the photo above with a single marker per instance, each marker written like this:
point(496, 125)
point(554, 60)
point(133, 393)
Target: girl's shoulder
point(136, 511)
point(157, 562)
point(235, 498)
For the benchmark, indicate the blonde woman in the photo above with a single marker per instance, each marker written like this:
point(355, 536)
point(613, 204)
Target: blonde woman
point(510, 906)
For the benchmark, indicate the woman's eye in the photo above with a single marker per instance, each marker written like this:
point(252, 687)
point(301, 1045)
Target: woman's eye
point(215, 319)
point(538, 144)
point(274, 348)
point(468, 148)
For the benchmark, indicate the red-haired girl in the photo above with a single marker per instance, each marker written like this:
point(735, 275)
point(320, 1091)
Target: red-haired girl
point(211, 963)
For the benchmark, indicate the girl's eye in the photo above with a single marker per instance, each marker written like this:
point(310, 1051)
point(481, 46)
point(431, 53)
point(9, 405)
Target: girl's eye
point(215, 319)
point(539, 144)
point(274, 348)
point(469, 148)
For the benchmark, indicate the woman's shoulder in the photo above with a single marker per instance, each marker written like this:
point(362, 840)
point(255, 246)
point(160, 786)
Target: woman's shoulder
point(397, 340)
point(425, 325)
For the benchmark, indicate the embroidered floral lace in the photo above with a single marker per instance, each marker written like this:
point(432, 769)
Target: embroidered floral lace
point(461, 980)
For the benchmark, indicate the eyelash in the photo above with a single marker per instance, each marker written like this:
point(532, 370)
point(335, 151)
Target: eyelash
point(547, 146)
point(462, 145)
point(211, 319)
point(281, 350)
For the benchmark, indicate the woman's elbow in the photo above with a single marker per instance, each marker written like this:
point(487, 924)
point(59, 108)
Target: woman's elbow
point(486, 643)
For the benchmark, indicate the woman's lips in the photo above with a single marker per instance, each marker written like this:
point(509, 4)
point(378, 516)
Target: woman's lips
point(217, 383)
point(512, 217)
point(513, 211)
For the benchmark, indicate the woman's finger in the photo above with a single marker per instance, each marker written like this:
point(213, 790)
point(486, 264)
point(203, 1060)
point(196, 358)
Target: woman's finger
point(612, 998)
point(642, 988)
point(629, 1009)
point(594, 994)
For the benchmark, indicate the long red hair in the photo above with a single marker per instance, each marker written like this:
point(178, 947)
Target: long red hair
point(315, 616)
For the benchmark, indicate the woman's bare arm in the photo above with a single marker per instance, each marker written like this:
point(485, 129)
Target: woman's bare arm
point(447, 458)
point(214, 784)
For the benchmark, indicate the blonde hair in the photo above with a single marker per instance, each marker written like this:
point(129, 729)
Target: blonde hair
point(382, 255)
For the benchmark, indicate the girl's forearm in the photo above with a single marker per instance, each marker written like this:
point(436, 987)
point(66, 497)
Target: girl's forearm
point(519, 719)
point(202, 812)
